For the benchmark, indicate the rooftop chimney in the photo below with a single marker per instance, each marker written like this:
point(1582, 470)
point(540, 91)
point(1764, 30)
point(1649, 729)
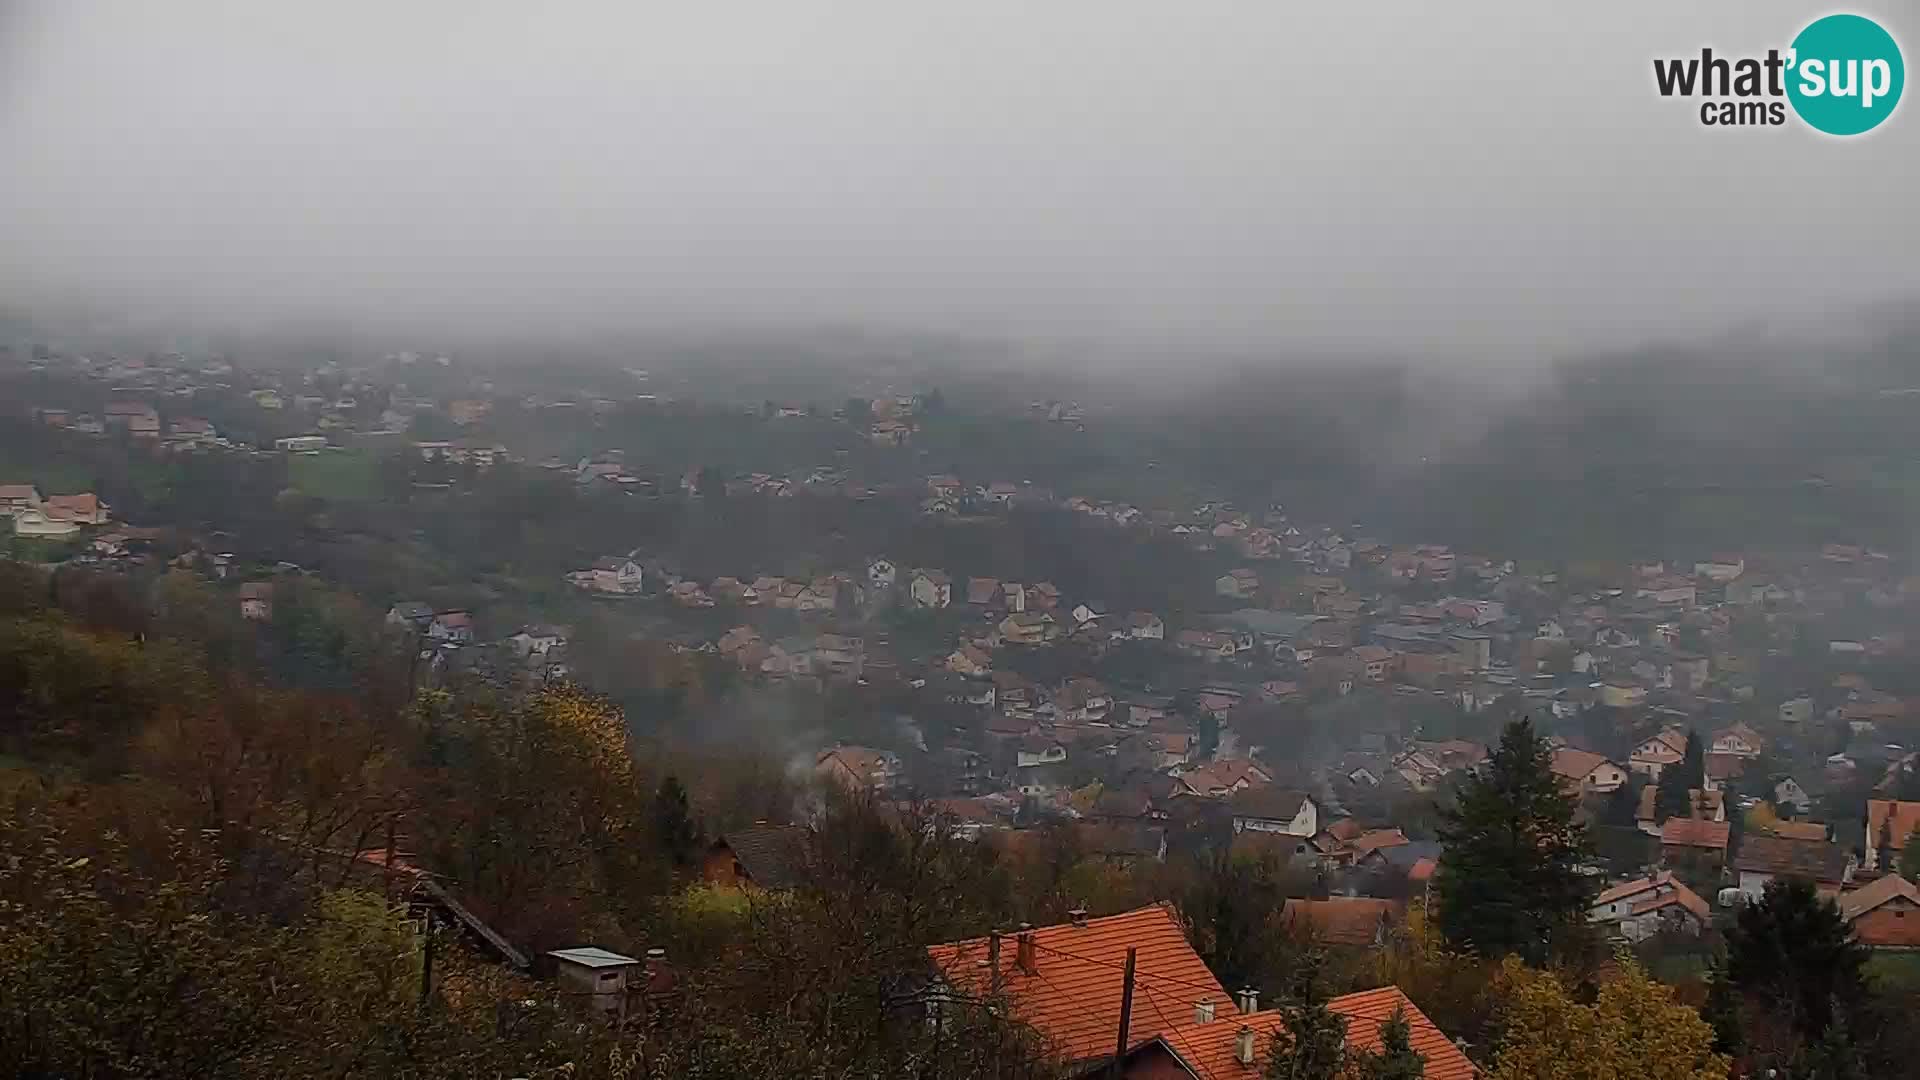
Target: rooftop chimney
point(1243, 1045)
point(1203, 1011)
point(1023, 956)
point(1249, 1000)
point(1078, 915)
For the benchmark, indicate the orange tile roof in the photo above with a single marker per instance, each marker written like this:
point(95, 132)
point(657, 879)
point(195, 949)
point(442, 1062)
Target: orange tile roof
point(1073, 996)
point(1906, 817)
point(1630, 888)
point(1221, 776)
point(1346, 829)
point(1681, 896)
point(1885, 914)
point(84, 503)
point(1374, 839)
point(1881, 891)
point(1695, 832)
point(1340, 920)
point(1207, 1049)
point(1799, 830)
point(1576, 764)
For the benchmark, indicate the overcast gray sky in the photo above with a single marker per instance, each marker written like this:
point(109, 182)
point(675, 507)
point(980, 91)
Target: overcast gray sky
point(1485, 178)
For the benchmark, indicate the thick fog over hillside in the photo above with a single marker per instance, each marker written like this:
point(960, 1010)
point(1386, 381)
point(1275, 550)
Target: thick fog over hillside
point(1496, 189)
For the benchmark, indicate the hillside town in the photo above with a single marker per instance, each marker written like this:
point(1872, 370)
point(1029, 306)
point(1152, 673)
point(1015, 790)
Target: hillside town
point(1091, 685)
point(881, 541)
point(1310, 699)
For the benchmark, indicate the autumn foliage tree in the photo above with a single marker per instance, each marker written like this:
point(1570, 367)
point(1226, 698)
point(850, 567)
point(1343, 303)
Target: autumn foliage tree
point(1633, 1030)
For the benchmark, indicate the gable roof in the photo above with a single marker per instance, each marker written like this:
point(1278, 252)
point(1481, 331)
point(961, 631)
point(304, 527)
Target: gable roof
point(1800, 830)
point(1681, 897)
point(1695, 832)
point(1632, 888)
point(1789, 857)
point(1267, 802)
point(1883, 890)
point(1376, 839)
point(1207, 1049)
point(83, 503)
point(1220, 775)
point(1669, 745)
point(1072, 997)
point(1339, 920)
point(1576, 764)
point(859, 761)
point(772, 855)
point(1346, 830)
point(1902, 816)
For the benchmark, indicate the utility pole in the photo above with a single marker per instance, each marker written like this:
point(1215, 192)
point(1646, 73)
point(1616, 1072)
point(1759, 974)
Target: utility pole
point(1126, 1015)
point(426, 967)
point(387, 877)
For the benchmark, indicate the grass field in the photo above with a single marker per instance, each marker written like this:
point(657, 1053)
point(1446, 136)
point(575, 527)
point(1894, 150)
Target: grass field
point(342, 475)
point(1899, 969)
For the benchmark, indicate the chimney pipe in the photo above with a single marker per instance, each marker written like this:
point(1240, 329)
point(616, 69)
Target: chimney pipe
point(1203, 1011)
point(1243, 1045)
point(1023, 957)
point(1249, 1000)
point(1078, 916)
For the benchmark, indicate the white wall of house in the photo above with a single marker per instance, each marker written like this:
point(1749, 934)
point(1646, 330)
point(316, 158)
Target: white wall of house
point(1753, 884)
point(1606, 777)
point(1028, 759)
point(1304, 823)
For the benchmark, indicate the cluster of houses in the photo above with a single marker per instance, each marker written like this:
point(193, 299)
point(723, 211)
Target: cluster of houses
point(449, 636)
point(140, 421)
point(1879, 904)
point(334, 397)
point(1123, 994)
point(1651, 659)
point(54, 517)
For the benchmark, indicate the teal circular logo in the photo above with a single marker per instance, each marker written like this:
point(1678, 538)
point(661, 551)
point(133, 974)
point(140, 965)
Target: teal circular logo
point(1845, 74)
